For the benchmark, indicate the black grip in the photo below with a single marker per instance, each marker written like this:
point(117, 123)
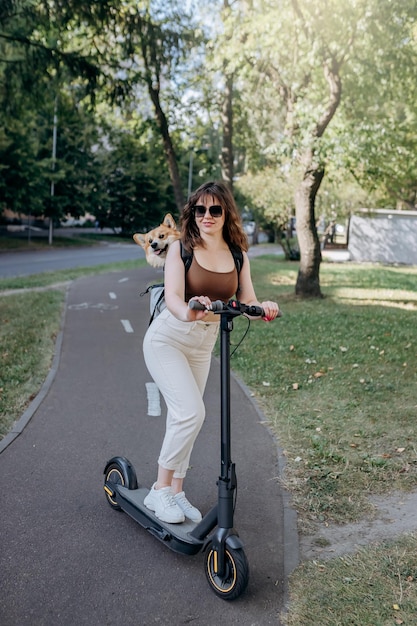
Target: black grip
point(217, 305)
point(255, 311)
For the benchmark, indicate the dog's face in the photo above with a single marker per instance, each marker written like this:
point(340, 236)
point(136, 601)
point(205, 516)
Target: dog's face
point(157, 241)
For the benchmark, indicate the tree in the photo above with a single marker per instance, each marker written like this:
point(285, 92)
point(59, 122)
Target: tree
point(69, 43)
point(269, 197)
point(133, 193)
point(296, 55)
point(295, 52)
point(377, 129)
point(156, 40)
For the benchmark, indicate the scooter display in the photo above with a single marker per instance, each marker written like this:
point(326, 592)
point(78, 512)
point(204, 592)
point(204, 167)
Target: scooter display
point(226, 565)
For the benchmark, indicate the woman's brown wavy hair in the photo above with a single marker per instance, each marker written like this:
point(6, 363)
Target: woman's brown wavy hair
point(233, 232)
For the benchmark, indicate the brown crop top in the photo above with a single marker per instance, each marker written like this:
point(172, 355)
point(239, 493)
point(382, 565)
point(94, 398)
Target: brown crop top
point(215, 285)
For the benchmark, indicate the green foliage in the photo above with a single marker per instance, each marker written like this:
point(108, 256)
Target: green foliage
point(167, 66)
point(377, 130)
point(133, 192)
point(75, 53)
point(22, 184)
point(269, 195)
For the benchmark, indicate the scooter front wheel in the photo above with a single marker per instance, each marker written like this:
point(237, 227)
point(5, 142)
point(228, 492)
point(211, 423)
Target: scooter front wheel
point(235, 578)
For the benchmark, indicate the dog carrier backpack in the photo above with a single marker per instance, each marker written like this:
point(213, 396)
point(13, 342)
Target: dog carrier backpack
point(157, 299)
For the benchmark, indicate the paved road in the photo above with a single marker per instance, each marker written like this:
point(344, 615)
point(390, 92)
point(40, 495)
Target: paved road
point(35, 262)
point(66, 558)
point(27, 262)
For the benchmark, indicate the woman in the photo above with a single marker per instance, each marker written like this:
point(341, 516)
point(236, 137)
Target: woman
point(179, 342)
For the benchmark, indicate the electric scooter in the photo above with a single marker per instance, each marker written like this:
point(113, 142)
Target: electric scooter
point(226, 565)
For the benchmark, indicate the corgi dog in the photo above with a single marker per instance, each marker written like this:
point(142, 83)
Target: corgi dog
point(156, 242)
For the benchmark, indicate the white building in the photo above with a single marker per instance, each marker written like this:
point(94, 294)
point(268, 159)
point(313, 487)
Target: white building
point(383, 236)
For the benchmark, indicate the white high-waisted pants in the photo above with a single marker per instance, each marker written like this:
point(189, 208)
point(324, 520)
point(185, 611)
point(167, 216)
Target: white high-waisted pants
point(178, 355)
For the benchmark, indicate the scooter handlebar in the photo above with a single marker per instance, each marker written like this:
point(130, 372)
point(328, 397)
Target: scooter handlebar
point(233, 305)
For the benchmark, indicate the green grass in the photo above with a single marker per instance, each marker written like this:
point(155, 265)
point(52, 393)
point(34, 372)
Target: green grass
point(376, 586)
point(53, 278)
point(29, 324)
point(336, 377)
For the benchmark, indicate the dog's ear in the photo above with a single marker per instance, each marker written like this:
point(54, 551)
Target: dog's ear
point(169, 221)
point(139, 239)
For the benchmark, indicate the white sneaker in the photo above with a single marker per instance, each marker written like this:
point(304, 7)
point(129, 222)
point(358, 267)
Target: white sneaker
point(187, 508)
point(162, 502)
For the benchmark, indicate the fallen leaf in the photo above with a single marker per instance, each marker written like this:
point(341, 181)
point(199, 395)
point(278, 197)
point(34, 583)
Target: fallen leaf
point(318, 374)
point(265, 384)
point(295, 386)
point(292, 347)
point(400, 450)
point(395, 607)
point(343, 349)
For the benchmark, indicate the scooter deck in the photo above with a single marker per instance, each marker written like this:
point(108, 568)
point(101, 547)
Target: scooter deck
point(176, 536)
point(137, 496)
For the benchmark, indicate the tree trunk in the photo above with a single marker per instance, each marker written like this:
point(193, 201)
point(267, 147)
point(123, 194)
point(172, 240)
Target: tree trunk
point(149, 42)
point(227, 123)
point(168, 149)
point(308, 281)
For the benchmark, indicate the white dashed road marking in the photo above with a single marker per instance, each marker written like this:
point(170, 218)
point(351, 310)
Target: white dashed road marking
point(127, 326)
point(154, 403)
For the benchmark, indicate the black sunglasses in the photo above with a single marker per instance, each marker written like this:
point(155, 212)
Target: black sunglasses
point(215, 210)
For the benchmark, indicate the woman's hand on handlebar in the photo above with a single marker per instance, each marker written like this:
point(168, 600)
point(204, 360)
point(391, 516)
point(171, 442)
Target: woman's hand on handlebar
point(195, 314)
point(271, 310)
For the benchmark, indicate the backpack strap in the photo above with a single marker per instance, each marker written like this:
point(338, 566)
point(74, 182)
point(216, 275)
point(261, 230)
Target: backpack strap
point(186, 256)
point(238, 258)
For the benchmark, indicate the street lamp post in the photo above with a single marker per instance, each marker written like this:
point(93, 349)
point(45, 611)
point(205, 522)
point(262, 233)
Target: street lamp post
point(190, 172)
point(193, 151)
point(54, 139)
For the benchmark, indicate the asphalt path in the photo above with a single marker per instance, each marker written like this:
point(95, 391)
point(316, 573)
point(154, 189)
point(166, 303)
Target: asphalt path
point(39, 261)
point(66, 557)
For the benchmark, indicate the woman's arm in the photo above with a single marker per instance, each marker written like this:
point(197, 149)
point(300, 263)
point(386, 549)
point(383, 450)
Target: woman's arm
point(174, 281)
point(247, 292)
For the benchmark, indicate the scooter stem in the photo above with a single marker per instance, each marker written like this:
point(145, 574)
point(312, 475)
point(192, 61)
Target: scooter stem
point(226, 326)
point(227, 479)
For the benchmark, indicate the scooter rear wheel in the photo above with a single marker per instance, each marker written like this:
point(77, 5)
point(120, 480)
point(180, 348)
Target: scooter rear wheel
point(236, 576)
point(116, 475)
